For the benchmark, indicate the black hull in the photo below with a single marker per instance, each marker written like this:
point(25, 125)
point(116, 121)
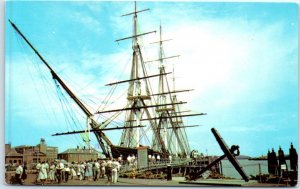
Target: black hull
point(117, 151)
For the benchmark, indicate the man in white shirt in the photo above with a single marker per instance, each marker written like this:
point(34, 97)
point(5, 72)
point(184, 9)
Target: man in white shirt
point(170, 158)
point(115, 170)
point(108, 170)
point(18, 174)
point(60, 166)
point(158, 158)
point(102, 168)
point(97, 170)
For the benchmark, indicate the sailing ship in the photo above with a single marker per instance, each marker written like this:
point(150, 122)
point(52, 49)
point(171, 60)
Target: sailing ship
point(151, 119)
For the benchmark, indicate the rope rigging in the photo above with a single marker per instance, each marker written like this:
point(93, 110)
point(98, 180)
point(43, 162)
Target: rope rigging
point(69, 115)
point(46, 91)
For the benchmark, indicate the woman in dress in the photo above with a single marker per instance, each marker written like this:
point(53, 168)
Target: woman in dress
point(73, 172)
point(43, 173)
point(89, 169)
point(51, 172)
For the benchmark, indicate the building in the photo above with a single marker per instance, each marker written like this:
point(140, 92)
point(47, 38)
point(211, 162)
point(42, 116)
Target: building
point(78, 154)
point(12, 156)
point(31, 154)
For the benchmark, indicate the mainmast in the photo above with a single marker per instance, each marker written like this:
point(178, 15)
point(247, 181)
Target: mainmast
point(137, 83)
point(138, 94)
point(170, 119)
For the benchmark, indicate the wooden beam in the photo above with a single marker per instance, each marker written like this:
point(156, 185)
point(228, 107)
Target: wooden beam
point(135, 12)
point(131, 108)
point(137, 79)
point(164, 117)
point(178, 91)
point(135, 36)
point(162, 59)
point(95, 130)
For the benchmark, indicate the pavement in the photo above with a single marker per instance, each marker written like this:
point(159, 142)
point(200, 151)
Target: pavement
point(176, 181)
point(104, 182)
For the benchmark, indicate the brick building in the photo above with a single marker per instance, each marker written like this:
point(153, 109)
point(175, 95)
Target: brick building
point(12, 156)
point(31, 154)
point(78, 155)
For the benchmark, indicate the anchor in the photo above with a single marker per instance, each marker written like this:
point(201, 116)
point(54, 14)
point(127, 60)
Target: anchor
point(230, 153)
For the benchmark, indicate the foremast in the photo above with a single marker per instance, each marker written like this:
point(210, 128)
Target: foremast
point(139, 97)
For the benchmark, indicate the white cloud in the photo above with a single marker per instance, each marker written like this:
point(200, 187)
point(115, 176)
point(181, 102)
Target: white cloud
point(91, 23)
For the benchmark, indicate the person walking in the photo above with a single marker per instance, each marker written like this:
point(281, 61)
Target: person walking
point(158, 159)
point(108, 170)
point(38, 167)
point(73, 172)
point(97, 170)
point(67, 172)
point(82, 165)
point(88, 170)
point(115, 170)
point(51, 172)
point(18, 174)
point(24, 174)
point(79, 171)
point(43, 173)
point(59, 167)
point(102, 167)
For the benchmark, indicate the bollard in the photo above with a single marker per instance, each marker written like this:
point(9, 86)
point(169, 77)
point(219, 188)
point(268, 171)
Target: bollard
point(169, 173)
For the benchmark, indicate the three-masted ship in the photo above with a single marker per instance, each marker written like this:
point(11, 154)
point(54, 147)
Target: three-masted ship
point(152, 119)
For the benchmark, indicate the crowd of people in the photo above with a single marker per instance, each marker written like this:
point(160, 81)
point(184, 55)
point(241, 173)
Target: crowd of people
point(56, 172)
point(59, 171)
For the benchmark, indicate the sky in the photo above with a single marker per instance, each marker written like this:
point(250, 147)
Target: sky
point(241, 59)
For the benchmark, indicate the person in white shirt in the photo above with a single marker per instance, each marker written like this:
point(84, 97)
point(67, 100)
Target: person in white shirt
point(59, 167)
point(153, 159)
point(108, 170)
point(79, 171)
point(114, 171)
point(73, 172)
point(170, 158)
point(97, 170)
point(38, 167)
point(158, 158)
point(51, 172)
point(118, 167)
point(102, 168)
point(82, 165)
point(18, 174)
point(129, 159)
point(67, 172)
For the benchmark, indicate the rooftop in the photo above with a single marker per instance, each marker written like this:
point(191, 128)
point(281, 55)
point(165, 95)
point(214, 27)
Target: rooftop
point(79, 151)
point(13, 152)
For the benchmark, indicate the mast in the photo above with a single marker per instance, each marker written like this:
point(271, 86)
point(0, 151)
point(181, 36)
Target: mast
point(138, 94)
point(175, 138)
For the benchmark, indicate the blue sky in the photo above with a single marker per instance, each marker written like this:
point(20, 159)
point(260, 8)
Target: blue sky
point(241, 59)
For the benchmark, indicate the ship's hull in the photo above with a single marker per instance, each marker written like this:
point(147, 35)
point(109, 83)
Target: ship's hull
point(124, 152)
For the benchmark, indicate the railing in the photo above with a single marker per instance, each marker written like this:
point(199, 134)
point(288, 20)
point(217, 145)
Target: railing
point(158, 164)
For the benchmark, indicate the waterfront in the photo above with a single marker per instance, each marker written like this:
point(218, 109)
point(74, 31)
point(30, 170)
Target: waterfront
point(251, 167)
